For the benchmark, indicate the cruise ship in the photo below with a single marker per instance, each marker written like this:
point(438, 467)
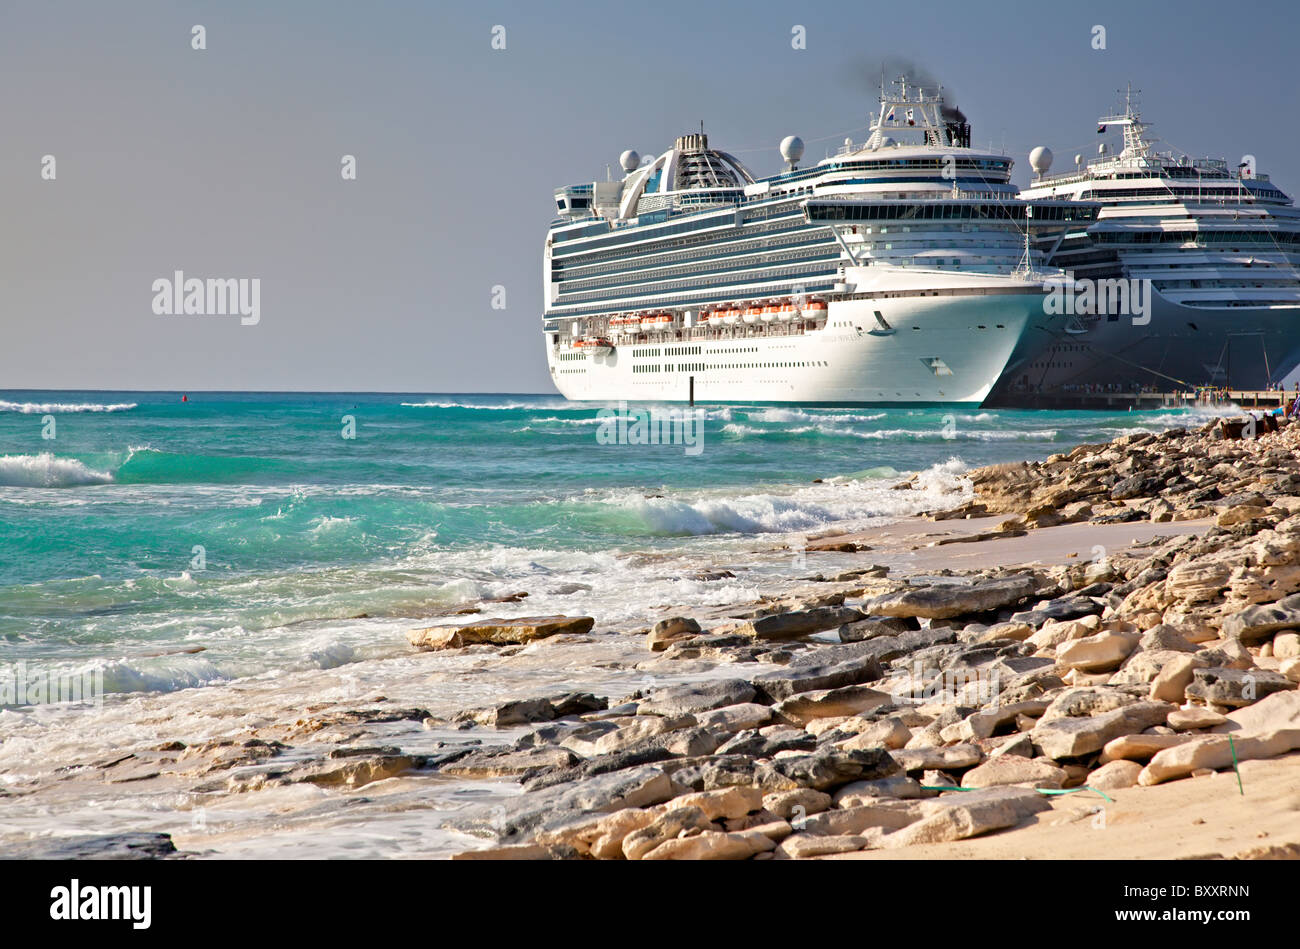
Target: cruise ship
point(900, 269)
point(1220, 245)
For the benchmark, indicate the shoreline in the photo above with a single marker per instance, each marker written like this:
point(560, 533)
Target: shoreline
point(807, 698)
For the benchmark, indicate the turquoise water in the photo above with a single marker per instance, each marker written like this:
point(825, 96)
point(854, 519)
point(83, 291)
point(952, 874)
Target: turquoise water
point(248, 525)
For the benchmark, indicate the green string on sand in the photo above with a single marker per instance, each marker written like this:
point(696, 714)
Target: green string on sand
point(1233, 746)
point(1086, 787)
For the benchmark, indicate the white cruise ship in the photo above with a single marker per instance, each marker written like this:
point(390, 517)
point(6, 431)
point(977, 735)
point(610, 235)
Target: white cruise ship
point(897, 270)
point(1220, 244)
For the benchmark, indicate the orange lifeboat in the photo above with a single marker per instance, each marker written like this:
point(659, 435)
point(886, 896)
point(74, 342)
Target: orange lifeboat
point(786, 312)
point(751, 314)
point(815, 310)
point(770, 313)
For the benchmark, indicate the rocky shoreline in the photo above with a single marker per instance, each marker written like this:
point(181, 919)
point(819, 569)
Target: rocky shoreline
point(867, 710)
point(946, 706)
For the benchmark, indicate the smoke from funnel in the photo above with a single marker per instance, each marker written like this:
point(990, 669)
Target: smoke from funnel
point(916, 75)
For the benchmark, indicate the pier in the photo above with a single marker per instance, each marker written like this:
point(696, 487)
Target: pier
point(1144, 399)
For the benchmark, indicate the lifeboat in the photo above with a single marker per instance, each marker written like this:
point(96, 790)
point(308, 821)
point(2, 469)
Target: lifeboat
point(815, 310)
point(770, 313)
point(661, 320)
point(596, 345)
point(731, 317)
point(751, 314)
point(786, 312)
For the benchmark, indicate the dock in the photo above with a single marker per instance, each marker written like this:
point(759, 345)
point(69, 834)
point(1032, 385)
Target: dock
point(1109, 401)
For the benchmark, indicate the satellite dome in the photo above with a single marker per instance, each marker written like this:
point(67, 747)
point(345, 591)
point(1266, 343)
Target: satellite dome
point(1102, 149)
point(792, 148)
point(1040, 159)
point(888, 142)
point(1078, 161)
point(848, 143)
point(629, 160)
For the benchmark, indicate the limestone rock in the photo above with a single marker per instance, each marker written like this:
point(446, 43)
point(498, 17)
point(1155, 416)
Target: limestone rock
point(938, 758)
point(861, 793)
point(796, 804)
point(803, 846)
point(1011, 769)
point(1171, 682)
point(959, 815)
point(798, 623)
point(1072, 737)
point(1190, 719)
point(1286, 645)
point(942, 602)
point(802, 708)
point(1215, 753)
point(487, 764)
point(886, 733)
point(1114, 775)
point(696, 697)
point(501, 632)
point(881, 814)
point(709, 845)
point(826, 769)
point(735, 718)
point(1257, 623)
point(671, 630)
point(665, 827)
point(1140, 747)
point(1198, 581)
point(1096, 653)
point(724, 803)
point(1235, 687)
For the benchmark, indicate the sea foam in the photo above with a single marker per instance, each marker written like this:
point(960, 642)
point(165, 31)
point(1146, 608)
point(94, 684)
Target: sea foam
point(47, 470)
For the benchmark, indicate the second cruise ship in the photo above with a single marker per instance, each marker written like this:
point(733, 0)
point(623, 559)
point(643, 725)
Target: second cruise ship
point(1218, 245)
point(897, 270)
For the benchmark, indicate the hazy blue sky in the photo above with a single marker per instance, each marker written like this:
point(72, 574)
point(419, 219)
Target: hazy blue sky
point(225, 162)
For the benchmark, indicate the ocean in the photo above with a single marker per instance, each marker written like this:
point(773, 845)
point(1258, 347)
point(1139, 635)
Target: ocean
point(174, 544)
point(218, 570)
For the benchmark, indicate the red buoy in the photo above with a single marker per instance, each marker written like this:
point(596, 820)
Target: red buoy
point(185, 398)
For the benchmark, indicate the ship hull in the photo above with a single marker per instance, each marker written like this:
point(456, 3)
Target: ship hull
point(1182, 347)
point(928, 350)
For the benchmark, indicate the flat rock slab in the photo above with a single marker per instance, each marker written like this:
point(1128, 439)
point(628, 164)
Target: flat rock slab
point(1236, 687)
point(798, 623)
point(960, 815)
point(1280, 710)
point(1217, 752)
point(938, 757)
point(1258, 623)
point(500, 632)
point(518, 817)
point(1073, 737)
point(697, 697)
point(130, 846)
point(803, 707)
point(487, 764)
point(1012, 769)
point(949, 600)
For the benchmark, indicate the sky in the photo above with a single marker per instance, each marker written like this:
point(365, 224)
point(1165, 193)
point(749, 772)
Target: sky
point(226, 162)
